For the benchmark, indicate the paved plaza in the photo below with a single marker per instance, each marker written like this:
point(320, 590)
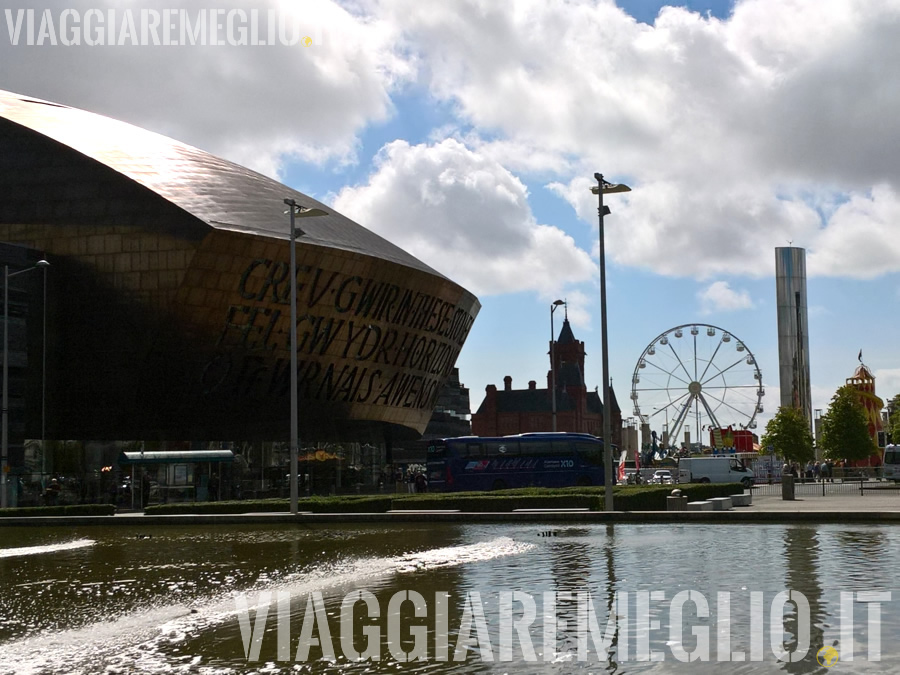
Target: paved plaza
point(868, 502)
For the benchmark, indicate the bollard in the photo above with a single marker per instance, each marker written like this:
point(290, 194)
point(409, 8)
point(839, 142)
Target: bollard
point(676, 501)
point(787, 487)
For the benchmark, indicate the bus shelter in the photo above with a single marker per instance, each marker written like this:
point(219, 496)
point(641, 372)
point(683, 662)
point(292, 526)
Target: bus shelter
point(186, 475)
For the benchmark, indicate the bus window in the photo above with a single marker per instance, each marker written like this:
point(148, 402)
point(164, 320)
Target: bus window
point(474, 450)
point(891, 467)
point(504, 448)
point(892, 454)
point(535, 447)
point(561, 448)
point(590, 453)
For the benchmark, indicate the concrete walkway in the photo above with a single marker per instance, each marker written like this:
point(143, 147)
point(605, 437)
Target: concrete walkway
point(868, 502)
point(831, 508)
point(836, 508)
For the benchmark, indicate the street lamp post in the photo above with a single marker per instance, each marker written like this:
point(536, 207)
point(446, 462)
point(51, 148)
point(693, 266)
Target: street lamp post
point(556, 303)
point(603, 187)
point(44, 385)
point(4, 433)
point(296, 211)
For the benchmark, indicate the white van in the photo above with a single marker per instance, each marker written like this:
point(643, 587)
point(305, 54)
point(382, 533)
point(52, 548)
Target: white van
point(714, 470)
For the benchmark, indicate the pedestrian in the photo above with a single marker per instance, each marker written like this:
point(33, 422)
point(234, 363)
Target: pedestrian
point(51, 494)
point(145, 489)
point(817, 471)
point(410, 482)
point(421, 483)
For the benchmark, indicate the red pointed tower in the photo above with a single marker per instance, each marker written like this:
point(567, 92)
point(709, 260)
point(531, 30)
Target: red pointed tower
point(864, 383)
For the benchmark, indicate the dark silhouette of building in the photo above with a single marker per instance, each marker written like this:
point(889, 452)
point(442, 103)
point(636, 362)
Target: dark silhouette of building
point(449, 420)
point(515, 411)
point(452, 413)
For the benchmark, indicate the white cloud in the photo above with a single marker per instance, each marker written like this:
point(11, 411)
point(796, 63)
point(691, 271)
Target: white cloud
point(720, 297)
point(579, 309)
point(734, 133)
point(861, 240)
point(256, 105)
point(466, 216)
point(737, 135)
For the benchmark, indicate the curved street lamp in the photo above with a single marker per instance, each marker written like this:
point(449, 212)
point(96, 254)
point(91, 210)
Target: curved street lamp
point(4, 432)
point(601, 188)
point(296, 211)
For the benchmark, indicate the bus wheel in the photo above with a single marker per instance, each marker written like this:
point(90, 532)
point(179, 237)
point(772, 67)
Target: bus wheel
point(499, 485)
point(584, 481)
point(704, 480)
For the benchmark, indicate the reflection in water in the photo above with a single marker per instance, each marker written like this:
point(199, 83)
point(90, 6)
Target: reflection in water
point(571, 561)
point(801, 552)
point(860, 552)
point(167, 604)
point(609, 551)
point(49, 548)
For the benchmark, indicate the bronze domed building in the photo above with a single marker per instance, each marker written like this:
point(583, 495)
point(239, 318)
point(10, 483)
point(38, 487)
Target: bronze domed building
point(169, 295)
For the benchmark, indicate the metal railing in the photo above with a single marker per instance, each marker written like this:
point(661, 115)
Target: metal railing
point(823, 488)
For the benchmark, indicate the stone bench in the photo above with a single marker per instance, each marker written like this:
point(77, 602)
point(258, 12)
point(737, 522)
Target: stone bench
point(426, 511)
point(551, 510)
point(699, 506)
point(742, 500)
point(721, 503)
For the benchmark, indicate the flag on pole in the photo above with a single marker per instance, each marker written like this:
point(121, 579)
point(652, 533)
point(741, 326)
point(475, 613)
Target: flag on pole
point(860, 355)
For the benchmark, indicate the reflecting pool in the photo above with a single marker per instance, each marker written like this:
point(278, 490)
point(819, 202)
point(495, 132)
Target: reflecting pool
point(511, 598)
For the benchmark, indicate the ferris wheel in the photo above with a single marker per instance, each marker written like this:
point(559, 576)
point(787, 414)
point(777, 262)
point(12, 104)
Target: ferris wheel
point(696, 377)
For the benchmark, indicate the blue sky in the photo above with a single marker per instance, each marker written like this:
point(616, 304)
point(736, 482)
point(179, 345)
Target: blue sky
point(468, 133)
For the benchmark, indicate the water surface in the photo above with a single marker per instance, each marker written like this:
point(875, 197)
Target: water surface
point(166, 599)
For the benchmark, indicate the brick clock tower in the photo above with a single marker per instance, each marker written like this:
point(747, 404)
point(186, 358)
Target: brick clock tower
point(515, 411)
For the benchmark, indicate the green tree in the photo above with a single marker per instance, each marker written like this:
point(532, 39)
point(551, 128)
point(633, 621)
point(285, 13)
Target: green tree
point(789, 436)
point(894, 421)
point(845, 431)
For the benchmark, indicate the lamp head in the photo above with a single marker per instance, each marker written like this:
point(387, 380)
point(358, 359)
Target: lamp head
point(606, 187)
point(559, 302)
point(42, 263)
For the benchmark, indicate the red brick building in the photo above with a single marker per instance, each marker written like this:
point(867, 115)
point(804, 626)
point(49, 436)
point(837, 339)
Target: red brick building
point(515, 411)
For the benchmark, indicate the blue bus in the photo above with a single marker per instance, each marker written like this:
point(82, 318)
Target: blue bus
point(472, 463)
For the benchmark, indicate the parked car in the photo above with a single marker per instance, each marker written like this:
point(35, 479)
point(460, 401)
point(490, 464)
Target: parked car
point(662, 477)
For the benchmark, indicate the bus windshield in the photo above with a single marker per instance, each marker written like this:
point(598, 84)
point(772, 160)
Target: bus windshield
point(495, 463)
point(892, 455)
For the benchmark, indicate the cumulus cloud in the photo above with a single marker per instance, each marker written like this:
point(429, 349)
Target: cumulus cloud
point(256, 105)
point(720, 297)
point(861, 240)
point(732, 132)
point(737, 135)
point(465, 215)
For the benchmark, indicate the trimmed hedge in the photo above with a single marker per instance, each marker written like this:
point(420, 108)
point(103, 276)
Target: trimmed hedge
point(493, 501)
point(653, 497)
point(70, 510)
point(341, 504)
point(625, 498)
